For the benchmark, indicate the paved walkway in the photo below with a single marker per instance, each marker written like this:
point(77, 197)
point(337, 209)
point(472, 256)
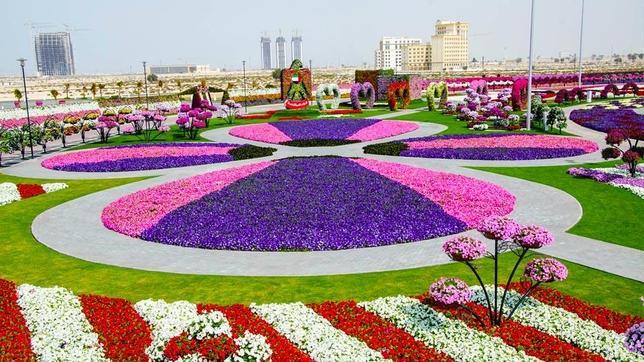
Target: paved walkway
point(536, 203)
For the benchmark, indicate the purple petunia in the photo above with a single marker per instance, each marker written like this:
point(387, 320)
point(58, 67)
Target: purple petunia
point(449, 291)
point(545, 270)
point(634, 338)
point(464, 248)
point(499, 228)
point(533, 237)
point(323, 129)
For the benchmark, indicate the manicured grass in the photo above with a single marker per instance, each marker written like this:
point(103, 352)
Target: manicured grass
point(24, 260)
point(455, 126)
point(610, 214)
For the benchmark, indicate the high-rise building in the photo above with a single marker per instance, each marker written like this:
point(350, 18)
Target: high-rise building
point(54, 55)
point(296, 47)
point(280, 52)
point(389, 53)
point(450, 46)
point(265, 43)
point(416, 57)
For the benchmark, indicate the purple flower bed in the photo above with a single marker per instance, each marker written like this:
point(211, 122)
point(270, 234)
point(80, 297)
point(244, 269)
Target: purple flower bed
point(318, 129)
point(322, 203)
point(145, 163)
point(528, 153)
point(603, 120)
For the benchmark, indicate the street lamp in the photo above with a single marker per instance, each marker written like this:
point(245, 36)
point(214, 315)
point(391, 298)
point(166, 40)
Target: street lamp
point(581, 34)
point(528, 115)
point(245, 97)
point(24, 84)
point(310, 66)
point(145, 78)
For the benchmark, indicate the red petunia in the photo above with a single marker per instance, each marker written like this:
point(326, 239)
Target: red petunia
point(15, 341)
point(29, 190)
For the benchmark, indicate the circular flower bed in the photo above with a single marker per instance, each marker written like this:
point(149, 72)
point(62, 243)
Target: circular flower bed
point(616, 115)
point(318, 203)
point(486, 147)
point(322, 132)
point(152, 156)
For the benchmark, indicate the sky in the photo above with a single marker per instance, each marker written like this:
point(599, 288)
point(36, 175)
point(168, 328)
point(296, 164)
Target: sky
point(114, 36)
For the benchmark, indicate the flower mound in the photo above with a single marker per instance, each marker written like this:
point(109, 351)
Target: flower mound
point(492, 147)
point(464, 248)
point(545, 270)
point(143, 157)
point(450, 291)
point(320, 132)
point(318, 203)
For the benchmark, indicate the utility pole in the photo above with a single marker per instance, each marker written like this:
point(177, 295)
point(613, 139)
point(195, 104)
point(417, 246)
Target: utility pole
point(145, 78)
point(24, 84)
point(528, 115)
point(581, 34)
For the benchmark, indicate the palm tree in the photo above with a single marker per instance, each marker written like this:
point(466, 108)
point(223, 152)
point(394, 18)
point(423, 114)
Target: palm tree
point(93, 88)
point(160, 84)
point(139, 88)
point(67, 86)
point(84, 92)
point(119, 85)
point(179, 84)
point(101, 86)
point(17, 94)
point(254, 84)
point(54, 93)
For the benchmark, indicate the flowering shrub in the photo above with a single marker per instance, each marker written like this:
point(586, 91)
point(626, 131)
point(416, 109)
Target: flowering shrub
point(464, 248)
point(533, 237)
point(545, 270)
point(228, 111)
point(631, 155)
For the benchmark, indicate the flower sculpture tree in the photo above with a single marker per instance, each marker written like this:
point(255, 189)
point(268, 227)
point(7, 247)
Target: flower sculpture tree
point(362, 90)
point(632, 133)
point(519, 94)
point(508, 236)
point(190, 121)
point(398, 91)
point(328, 89)
point(436, 90)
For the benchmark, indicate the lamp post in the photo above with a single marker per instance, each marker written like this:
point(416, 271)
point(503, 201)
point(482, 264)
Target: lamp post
point(581, 34)
point(528, 115)
point(310, 66)
point(24, 84)
point(145, 79)
point(245, 97)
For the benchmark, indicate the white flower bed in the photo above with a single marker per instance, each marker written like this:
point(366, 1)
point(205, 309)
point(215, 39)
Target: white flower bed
point(16, 113)
point(8, 193)
point(314, 334)
point(638, 191)
point(59, 329)
point(434, 329)
point(54, 186)
point(565, 325)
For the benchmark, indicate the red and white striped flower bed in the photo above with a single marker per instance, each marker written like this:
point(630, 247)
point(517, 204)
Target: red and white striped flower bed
point(53, 324)
point(10, 192)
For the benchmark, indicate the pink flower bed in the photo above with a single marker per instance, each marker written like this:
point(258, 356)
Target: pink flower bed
point(383, 129)
point(260, 132)
point(134, 213)
point(112, 154)
point(513, 141)
point(449, 190)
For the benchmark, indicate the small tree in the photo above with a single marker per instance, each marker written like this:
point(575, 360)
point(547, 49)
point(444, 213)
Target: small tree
point(152, 78)
point(84, 92)
point(50, 131)
point(557, 118)
point(138, 89)
point(17, 94)
point(101, 86)
point(179, 84)
point(119, 85)
point(94, 89)
point(54, 94)
point(67, 86)
point(631, 155)
point(160, 85)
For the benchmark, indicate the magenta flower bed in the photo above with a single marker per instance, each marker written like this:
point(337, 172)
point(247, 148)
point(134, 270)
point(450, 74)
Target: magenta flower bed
point(349, 130)
point(489, 147)
point(141, 157)
point(317, 203)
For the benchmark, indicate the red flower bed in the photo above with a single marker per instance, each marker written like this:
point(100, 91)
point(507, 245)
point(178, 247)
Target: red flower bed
point(378, 334)
point(528, 339)
point(265, 115)
point(242, 319)
point(15, 342)
point(342, 111)
point(122, 331)
point(291, 118)
point(29, 190)
point(214, 349)
point(604, 317)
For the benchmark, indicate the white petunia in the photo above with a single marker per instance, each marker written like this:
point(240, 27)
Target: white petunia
point(8, 193)
point(55, 186)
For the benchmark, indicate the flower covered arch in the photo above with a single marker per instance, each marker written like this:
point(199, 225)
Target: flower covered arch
point(398, 91)
point(436, 90)
point(358, 90)
point(327, 89)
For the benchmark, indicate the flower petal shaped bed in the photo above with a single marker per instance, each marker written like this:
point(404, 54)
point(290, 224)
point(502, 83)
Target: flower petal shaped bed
point(323, 132)
point(152, 156)
point(486, 147)
point(301, 204)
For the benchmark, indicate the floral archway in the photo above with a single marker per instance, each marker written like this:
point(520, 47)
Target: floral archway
point(362, 90)
point(436, 90)
point(519, 94)
point(610, 88)
point(398, 91)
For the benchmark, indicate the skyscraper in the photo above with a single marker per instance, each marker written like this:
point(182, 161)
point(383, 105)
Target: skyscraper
point(296, 47)
point(265, 43)
point(54, 55)
point(450, 46)
point(280, 52)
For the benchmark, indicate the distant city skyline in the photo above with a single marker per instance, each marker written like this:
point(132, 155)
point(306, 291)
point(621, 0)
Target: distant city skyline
point(336, 32)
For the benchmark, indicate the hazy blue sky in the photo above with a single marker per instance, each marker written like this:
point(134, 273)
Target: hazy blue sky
point(122, 33)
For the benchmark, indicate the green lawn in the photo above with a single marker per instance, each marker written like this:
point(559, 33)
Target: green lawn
point(24, 260)
point(610, 213)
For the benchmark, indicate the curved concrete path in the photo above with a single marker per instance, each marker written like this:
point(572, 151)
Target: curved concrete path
point(536, 203)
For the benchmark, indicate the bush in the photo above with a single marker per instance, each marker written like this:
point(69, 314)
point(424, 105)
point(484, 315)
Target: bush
point(317, 143)
point(389, 148)
point(249, 151)
point(501, 123)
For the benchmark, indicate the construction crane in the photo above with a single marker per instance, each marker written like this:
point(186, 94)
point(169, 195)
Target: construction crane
point(69, 29)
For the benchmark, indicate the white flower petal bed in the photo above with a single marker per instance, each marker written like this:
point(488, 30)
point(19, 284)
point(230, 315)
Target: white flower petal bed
point(434, 329)
point(314, 334)
point(54, 186)
point(565, 325)
point(8, 193)
point(59, 329)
